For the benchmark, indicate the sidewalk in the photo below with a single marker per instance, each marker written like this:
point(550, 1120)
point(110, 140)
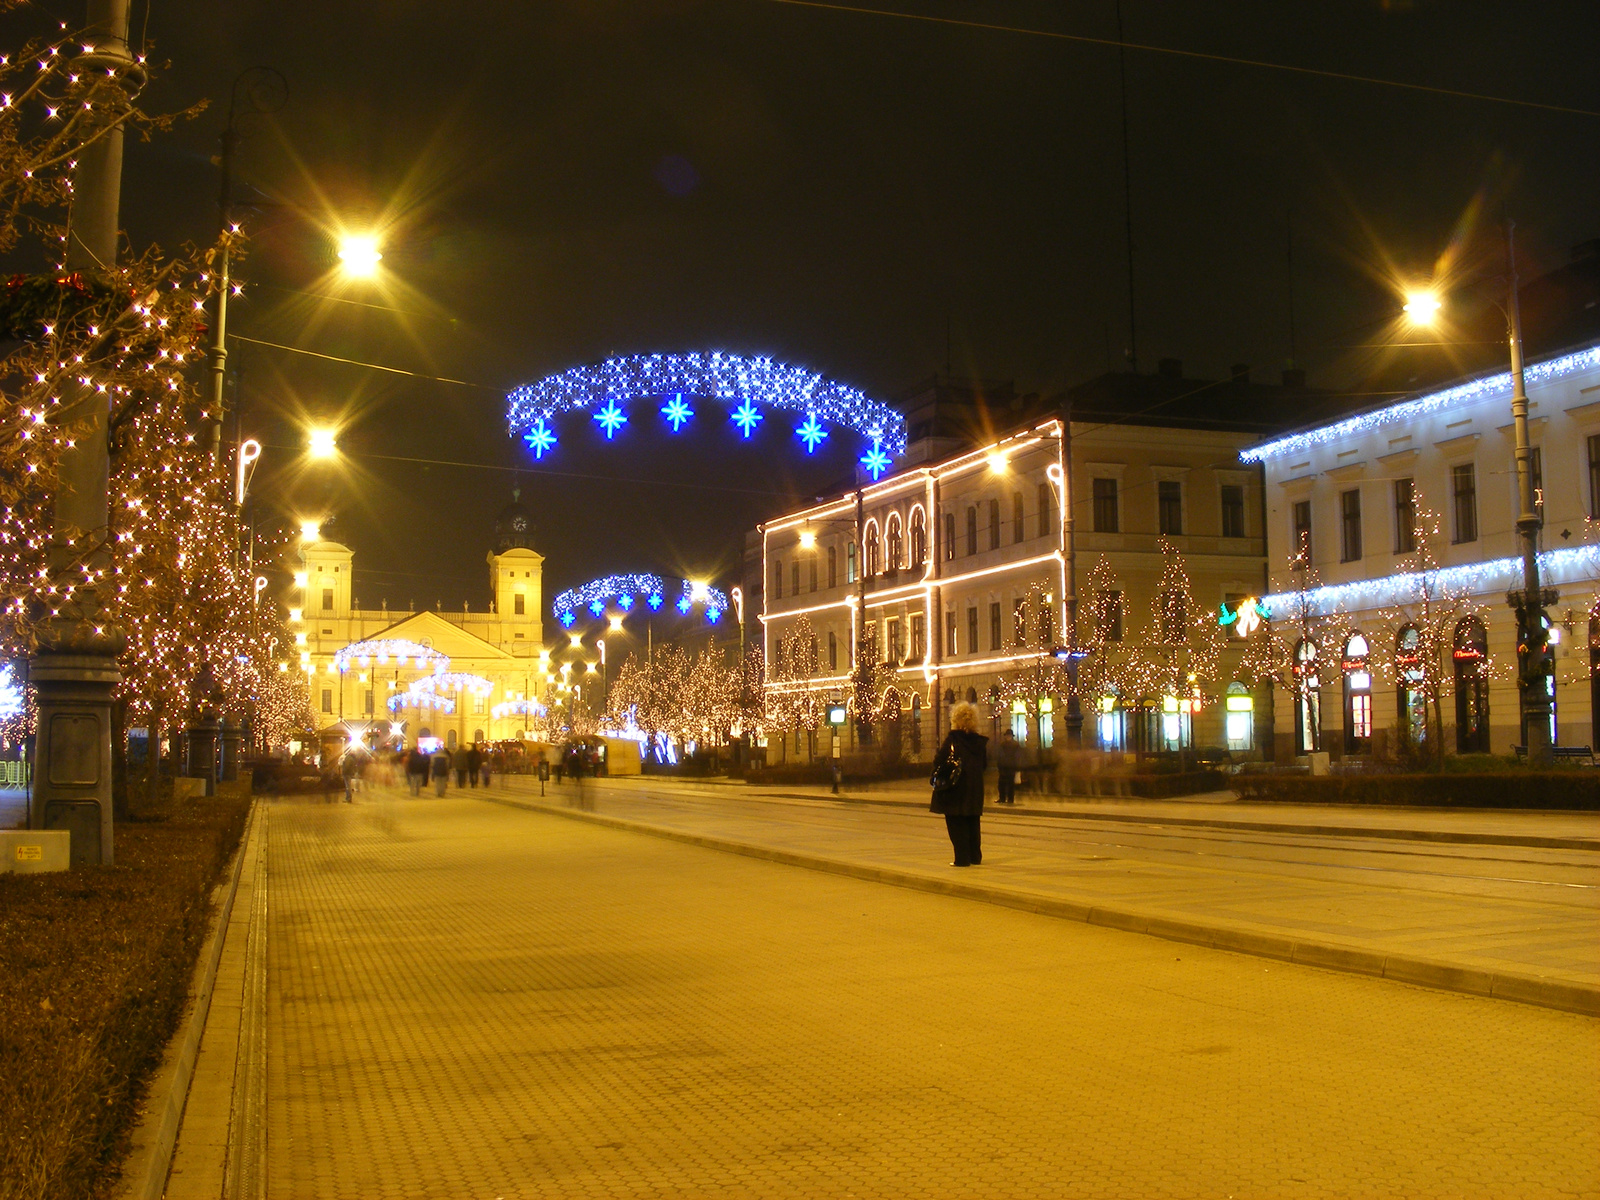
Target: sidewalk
point(1518, 924)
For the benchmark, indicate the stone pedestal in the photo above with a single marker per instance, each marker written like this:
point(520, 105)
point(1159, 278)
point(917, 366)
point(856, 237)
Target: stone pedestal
point(232, 740)
point(202, 740)
point(72, 783)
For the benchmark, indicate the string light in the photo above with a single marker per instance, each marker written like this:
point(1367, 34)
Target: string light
point(382, 650)
point(676, 412)
point(811, 433)
point(598, 591)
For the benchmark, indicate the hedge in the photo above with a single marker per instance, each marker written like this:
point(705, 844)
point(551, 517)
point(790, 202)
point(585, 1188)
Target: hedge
point(1574, 789)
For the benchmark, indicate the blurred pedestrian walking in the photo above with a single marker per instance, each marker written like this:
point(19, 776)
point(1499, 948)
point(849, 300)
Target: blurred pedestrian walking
point(475, 762)
point(439, 766)
point(958, 784)
point(459, 763)
point(1008, 761)
point(416, 769)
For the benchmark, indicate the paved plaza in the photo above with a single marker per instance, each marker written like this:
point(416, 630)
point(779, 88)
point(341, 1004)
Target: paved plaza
point(467, 999)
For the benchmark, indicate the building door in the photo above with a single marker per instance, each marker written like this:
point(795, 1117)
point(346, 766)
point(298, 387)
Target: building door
point(1239, 718)
point(1411, 707)
point(1470, 657)
point(1357, 696)
point(1307, 698)
point(1594, 680)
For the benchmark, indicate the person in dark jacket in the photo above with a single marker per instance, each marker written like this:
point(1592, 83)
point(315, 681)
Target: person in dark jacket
point(416, 769)
point(962, 805)
point(474, 764)
point(439, 768)
point(1008, 761)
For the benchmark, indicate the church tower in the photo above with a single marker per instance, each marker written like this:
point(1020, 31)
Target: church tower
point(516, 579)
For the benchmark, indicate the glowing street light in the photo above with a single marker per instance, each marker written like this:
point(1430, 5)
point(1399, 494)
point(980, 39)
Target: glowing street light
point(359, 255)
point(322, 442)
point(310, 530)
point(1422, 307)
point(808, 539)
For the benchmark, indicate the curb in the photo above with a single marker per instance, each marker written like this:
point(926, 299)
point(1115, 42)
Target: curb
point(1357, 960)
point(144, 1172)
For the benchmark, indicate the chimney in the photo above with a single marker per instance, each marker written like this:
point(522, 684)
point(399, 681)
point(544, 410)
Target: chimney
point(1294, 377)
point(1240, 372)
point(1170, 368)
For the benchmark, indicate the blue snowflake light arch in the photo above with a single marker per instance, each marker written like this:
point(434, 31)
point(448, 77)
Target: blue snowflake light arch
point(749, 387)
point(626, 593)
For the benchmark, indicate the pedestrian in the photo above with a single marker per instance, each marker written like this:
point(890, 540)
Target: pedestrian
point(439, 765)
point(1008, 763)
point(459, 763)
point(958, 784)
point(416, 769)
point(475, 762)
point(492, 761)
point(350, 767)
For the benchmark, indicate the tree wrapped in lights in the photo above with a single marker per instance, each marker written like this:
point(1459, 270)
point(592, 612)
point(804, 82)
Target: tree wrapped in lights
point(1104, 669)
point(1043, 676)
point(1179, 650)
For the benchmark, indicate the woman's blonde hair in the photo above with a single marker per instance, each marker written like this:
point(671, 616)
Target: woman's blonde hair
point(964, 716)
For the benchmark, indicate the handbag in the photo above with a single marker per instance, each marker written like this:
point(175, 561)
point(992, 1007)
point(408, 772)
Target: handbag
point(947, 772)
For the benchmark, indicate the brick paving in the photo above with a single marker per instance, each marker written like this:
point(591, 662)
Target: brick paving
point(471, 1000)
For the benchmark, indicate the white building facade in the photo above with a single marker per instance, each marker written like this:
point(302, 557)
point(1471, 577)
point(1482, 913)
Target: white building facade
point(1351, 492)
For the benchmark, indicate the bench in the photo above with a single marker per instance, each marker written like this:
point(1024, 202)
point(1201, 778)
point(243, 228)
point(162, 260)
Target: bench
point(1583, 753)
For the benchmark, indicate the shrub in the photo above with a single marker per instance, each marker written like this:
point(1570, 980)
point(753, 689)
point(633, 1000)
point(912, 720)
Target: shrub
point(1570, 789)
point(98, 963)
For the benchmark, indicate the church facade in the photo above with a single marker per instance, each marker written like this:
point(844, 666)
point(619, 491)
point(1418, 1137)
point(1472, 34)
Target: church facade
point(368, 696)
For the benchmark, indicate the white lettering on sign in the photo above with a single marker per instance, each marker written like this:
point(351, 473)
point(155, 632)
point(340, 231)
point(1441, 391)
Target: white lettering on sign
point(30, 853)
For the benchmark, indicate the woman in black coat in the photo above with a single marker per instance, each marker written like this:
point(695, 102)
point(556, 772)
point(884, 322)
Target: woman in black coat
point(962, 805)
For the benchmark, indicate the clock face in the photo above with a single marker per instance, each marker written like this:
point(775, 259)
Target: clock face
point(519, 524)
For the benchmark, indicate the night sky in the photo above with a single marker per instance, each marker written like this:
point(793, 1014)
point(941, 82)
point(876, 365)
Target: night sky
point(874, 198)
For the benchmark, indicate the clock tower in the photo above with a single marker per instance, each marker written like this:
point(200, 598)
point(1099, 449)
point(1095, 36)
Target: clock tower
point(516, 573)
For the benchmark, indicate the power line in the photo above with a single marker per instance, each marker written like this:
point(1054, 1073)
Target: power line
point(1198, 54)
point(238, 337)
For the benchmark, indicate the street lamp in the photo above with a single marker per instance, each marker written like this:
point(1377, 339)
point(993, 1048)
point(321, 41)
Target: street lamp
point(1530, 601)
point(359, 255)
point(322, 442)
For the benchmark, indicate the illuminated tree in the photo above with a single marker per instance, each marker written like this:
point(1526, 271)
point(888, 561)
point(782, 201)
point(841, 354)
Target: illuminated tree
point(1180, 647)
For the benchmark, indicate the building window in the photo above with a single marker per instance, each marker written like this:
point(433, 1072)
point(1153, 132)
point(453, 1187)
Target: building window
point(327, 700)
point(327, 599)
point(891, 640)
point(972, 529)
point(972, 629)
point(833, 652)
point(896, 542)
point(1019, 620)
point(949, 535)
point(874, 552)
point(833, 566)
point(1464, 490)
point(1105, 506)
point(994, 524)
point(1232, 510)
point(919, 637)
point(1111, 615)
point(1405, 516)
point(1350, 525)
point(850, 563)
point(794, 578)
point(1017, 516)
point(994, 625)
point(519, 604)
point(1594, 475)
point(479, 704)
point(368, 708)
point(811, 573)
point(950, 634)
point(1047, 515)
point(777, 581)
point(1302, 531)
point(919, 538)
point(1169, 507)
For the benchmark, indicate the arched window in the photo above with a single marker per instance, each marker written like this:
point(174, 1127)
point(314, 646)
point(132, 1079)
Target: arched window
point(894, 537)
point(994, 524)
point(811, 572)
point(1047, 518)
point(833, 566)
point(1357, 696)
point(1307, 697)
point(919, 537)
point(874, 550)
point(950, 535)
point(1470, 656)
point(1411, 706)
point(777, 581)
point(1016, 517)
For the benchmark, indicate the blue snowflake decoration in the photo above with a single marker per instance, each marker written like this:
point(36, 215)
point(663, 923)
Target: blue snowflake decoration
point(541, 440)
point(625, 602)
point(567, 618)
point(811, 433)
point(597, 607)
point(732, 379)
point(654, 601)
point(611, 418)
point(746, 417)
point(683, 604)
point(875, 460)
point(676, 412)
point(713, 615)
point(625, 589)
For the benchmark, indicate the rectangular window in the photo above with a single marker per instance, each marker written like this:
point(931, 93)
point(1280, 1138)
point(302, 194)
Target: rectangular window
point(1302, 530)
point(1017, 517)
point(1169, 507)
point(1111, 615)
point(327, 599)
point(1464, 493)
point(972, 630)
point(1105, 506)
point(777, 581)
point(950, 634)
point(327, 700)
point(1350, 525)
point(949, 535)
point(1047, 512)
point(994, 524)
point(850, 563)
point(833, 566)
point(994, 625)
point(479, 704)
point(1594, 476)
point(871, 651)
point(1047, 626)
point(519, 604)
point(1019, 620)
point(368, 708)
point(1232, 510)
point(972, 529)
point(833, 652)
point(919, 637)
point(811, 570)
point(1405, 516)
point(891, 639)
point(1361, 715)
point(794, 578)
